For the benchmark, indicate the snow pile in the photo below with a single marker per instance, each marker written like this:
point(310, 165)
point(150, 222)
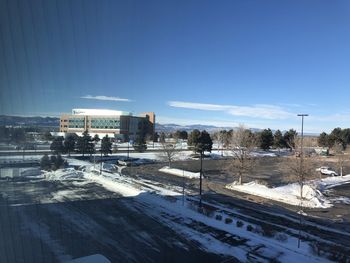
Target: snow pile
point(289, 194)
point(32, 171)
point(332, 181)
point(76, 162)
point(97, 258)
point(64, 174)
point(113, 185)
point(178, 172)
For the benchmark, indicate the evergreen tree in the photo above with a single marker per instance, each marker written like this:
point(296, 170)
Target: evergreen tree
point(266, 139)
point(53, 160)
point(57, 145)
point(45, 162)
point(140, 144)
point(177, 134)
point(200, 141)
point(47, 136)
point(106, 145)
point(85, 144)
point(183, 135)
point(193, 138)
point(337, 137)
point(289, 137)
point(162, 137)
point(205, 143)
point(69, 143)
point(58, 163)
point(323, 140)
point(155, 137)
point(96, 138)
point(278, 140)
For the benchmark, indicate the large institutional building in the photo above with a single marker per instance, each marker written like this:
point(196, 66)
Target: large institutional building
point(118, 124)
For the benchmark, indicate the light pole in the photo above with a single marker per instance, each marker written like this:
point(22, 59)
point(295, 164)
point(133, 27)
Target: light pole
point(101, 161)
point(200, 179)
point(301, 176)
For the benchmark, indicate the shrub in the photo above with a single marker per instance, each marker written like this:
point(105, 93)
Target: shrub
point(250, 228)
point(45, 162)
point(268, 230)
point(228, 220)
point(258, 230)
point(218, 217)
point(239, 223)
point(281, 237)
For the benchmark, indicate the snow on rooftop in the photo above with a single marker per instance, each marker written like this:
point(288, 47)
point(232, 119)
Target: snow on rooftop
point(99, 112)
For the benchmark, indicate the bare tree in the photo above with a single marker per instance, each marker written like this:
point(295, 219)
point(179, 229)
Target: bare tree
point(168, 152)
point(242, 143)
point(341, 157)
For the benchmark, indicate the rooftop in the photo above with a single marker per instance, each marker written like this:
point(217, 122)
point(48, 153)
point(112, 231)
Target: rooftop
point(99, 112)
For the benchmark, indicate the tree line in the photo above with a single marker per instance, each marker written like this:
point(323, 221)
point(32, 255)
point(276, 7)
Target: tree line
point(338, 137)
point(264, 139)
point(84, 144)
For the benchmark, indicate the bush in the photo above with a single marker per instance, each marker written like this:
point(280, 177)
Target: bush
point(281, 237)
point(218, 217)
point(249, 228)
point(45, 163)
point(228, 220)
point(268, 230)
point(140, 147)
point(258, 230)
point(239, 223)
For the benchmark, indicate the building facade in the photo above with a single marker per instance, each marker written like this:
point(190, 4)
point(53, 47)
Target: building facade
point(118, 124)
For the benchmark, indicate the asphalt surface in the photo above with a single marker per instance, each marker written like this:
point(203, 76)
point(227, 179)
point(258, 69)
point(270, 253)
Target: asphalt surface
point(95, 221)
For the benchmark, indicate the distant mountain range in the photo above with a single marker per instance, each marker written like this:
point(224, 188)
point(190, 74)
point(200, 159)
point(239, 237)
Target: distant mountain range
point(174, 127)
point(29, 121)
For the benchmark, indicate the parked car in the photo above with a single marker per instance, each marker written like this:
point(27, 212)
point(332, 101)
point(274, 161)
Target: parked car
point(325, 170)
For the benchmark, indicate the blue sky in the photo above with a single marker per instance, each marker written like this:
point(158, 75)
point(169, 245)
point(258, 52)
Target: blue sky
point(258, 63)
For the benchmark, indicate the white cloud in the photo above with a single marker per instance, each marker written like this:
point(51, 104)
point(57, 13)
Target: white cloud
point(256, 111)
point(182, 121)
point(104, 98)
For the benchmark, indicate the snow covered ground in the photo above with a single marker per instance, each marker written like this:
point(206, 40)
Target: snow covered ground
point(153, 200)
point(332, 181)
point(179, 172)
point(290, 193)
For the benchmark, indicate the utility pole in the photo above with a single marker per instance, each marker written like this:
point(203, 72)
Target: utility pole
point(200, 179)
point(301, 176)
point(183, 186)
point(101, 161)
point(128, 149)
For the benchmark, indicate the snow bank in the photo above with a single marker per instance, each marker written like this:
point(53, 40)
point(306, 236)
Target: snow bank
point(179, 172)
point(97, 258)
point(64, 174)
point(289, 194)
point(113, 185)
point(332, 181)
point(30, 172)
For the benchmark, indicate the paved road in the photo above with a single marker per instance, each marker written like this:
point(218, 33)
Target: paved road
point(94, 221)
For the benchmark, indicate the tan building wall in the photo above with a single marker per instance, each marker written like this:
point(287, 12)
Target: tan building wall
point(125, 125)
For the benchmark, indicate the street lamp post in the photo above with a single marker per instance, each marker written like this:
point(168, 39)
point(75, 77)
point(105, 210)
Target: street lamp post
point(300, 171)
point(128, 149)
point(101, 161)
point(200, 180)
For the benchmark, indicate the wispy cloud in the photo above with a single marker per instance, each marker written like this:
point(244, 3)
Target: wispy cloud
point(184, 121)
point(104, 98)
point(255, 111)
